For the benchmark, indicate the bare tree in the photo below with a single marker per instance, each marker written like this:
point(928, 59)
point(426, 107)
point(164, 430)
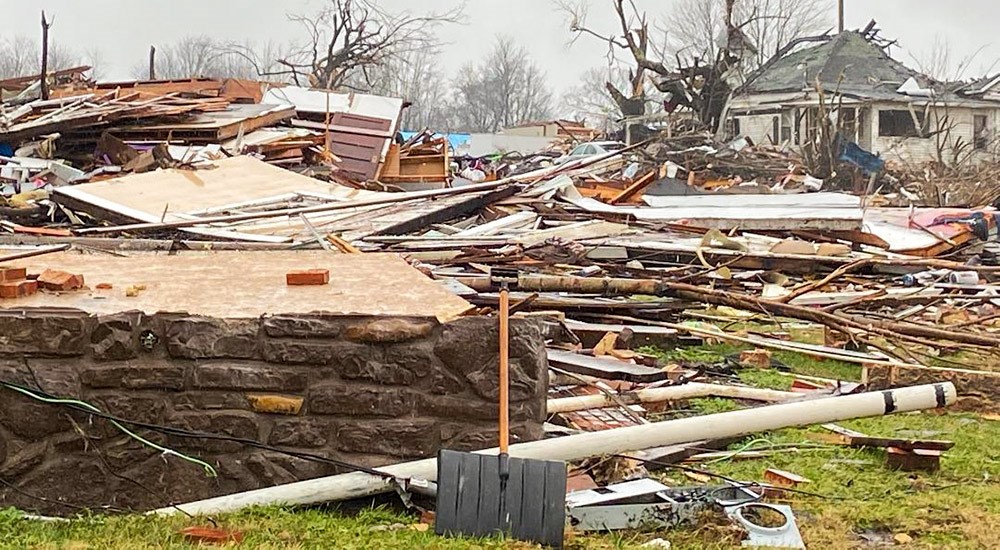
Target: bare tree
point(202, 56)
point(353, 36)
point(415, 77)
point(697, 28)
point(507, 89)
point(590, 101)
point(18, 56)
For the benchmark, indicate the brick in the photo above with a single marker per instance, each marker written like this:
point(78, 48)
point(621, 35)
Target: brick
point(275, 404)
point(18, 289)
point(13, 274)
point(308, 277)
point(54, 279)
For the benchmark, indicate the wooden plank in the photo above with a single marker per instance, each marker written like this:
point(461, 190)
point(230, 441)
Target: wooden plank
point(858, 439)
point(599, 367)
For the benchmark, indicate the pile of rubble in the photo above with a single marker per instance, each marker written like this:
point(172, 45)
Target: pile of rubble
point(639, 245)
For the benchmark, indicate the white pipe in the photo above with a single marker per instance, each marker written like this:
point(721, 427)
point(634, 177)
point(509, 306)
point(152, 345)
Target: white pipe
point(618, 440)
point(668, 393)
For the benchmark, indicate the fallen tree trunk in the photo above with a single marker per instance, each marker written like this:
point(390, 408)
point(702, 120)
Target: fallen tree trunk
point(843, 323)
point(653, 395)
point(619, 440)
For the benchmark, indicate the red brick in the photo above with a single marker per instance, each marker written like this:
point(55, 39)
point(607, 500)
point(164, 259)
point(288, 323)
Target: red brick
point(53, 279)
point(308, 277)
point(12, 274)
point(18, 289)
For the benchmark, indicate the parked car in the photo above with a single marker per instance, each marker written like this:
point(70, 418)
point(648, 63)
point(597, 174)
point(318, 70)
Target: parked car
point(590, 149)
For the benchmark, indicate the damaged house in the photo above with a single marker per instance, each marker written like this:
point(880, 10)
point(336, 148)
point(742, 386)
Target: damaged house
point(877, 102)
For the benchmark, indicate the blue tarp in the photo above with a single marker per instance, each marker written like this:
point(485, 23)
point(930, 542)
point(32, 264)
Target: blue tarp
point(852, 153)
point(454, 140)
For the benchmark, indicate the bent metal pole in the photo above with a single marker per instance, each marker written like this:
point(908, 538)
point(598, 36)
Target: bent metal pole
point(618, 440)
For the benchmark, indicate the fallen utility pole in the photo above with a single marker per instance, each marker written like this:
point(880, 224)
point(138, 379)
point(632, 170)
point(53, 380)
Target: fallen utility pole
point(618, 440)
point(668, 393)
point(844, 323)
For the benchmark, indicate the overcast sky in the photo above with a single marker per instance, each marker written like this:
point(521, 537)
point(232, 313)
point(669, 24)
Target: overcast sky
point(122, 31)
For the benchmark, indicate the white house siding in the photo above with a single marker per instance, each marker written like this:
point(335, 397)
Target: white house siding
point(917, 149)
point(758, 127)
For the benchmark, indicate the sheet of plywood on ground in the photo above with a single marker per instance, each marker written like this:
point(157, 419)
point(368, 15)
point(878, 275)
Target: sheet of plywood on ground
point(237, 180)
point(244, 284)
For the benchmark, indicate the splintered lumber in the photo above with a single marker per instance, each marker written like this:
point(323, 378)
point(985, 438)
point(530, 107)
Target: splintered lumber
point(585, 445)
point(669, 393)
point(600, 367)
point(841, 322)
point(852, 438)
point(388, 198)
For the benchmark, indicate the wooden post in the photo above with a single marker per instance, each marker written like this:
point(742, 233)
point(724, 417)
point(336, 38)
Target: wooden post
point(45, 56)
point(152, 62)
point(840, 15)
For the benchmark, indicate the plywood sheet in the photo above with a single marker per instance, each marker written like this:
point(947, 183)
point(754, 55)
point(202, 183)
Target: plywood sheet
point(234, 180)
point(245, 284)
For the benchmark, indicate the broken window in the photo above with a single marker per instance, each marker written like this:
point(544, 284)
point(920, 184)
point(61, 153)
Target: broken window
point(980, 131)
point(776, 130)
point(849, 122)
point(900, 123)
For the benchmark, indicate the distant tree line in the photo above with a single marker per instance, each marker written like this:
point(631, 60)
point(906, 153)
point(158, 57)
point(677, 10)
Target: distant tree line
point(358, 45)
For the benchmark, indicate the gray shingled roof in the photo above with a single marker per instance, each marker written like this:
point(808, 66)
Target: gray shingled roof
point(865, 67)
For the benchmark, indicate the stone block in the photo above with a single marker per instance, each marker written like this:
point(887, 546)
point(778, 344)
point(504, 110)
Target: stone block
point(485, 381)
point(301, 432)
point(275, 404)
point(472, 407)
point(305, 326)
point(208, 338)
point(210, 400)
point(403, 364)
point(114, 336)
point(389, 330)
point(271, 468)
point(29, 418)
point(248, 376)
point(24, 460)
point(398, 438)
point(297, 352)
point(157, 376)
point(238, 424)
point(355, 400)
point(37, 333)
point(149, 409)
point(70, 477)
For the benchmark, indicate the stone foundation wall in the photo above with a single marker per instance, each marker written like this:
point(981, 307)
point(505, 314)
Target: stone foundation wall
point(367, 390)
